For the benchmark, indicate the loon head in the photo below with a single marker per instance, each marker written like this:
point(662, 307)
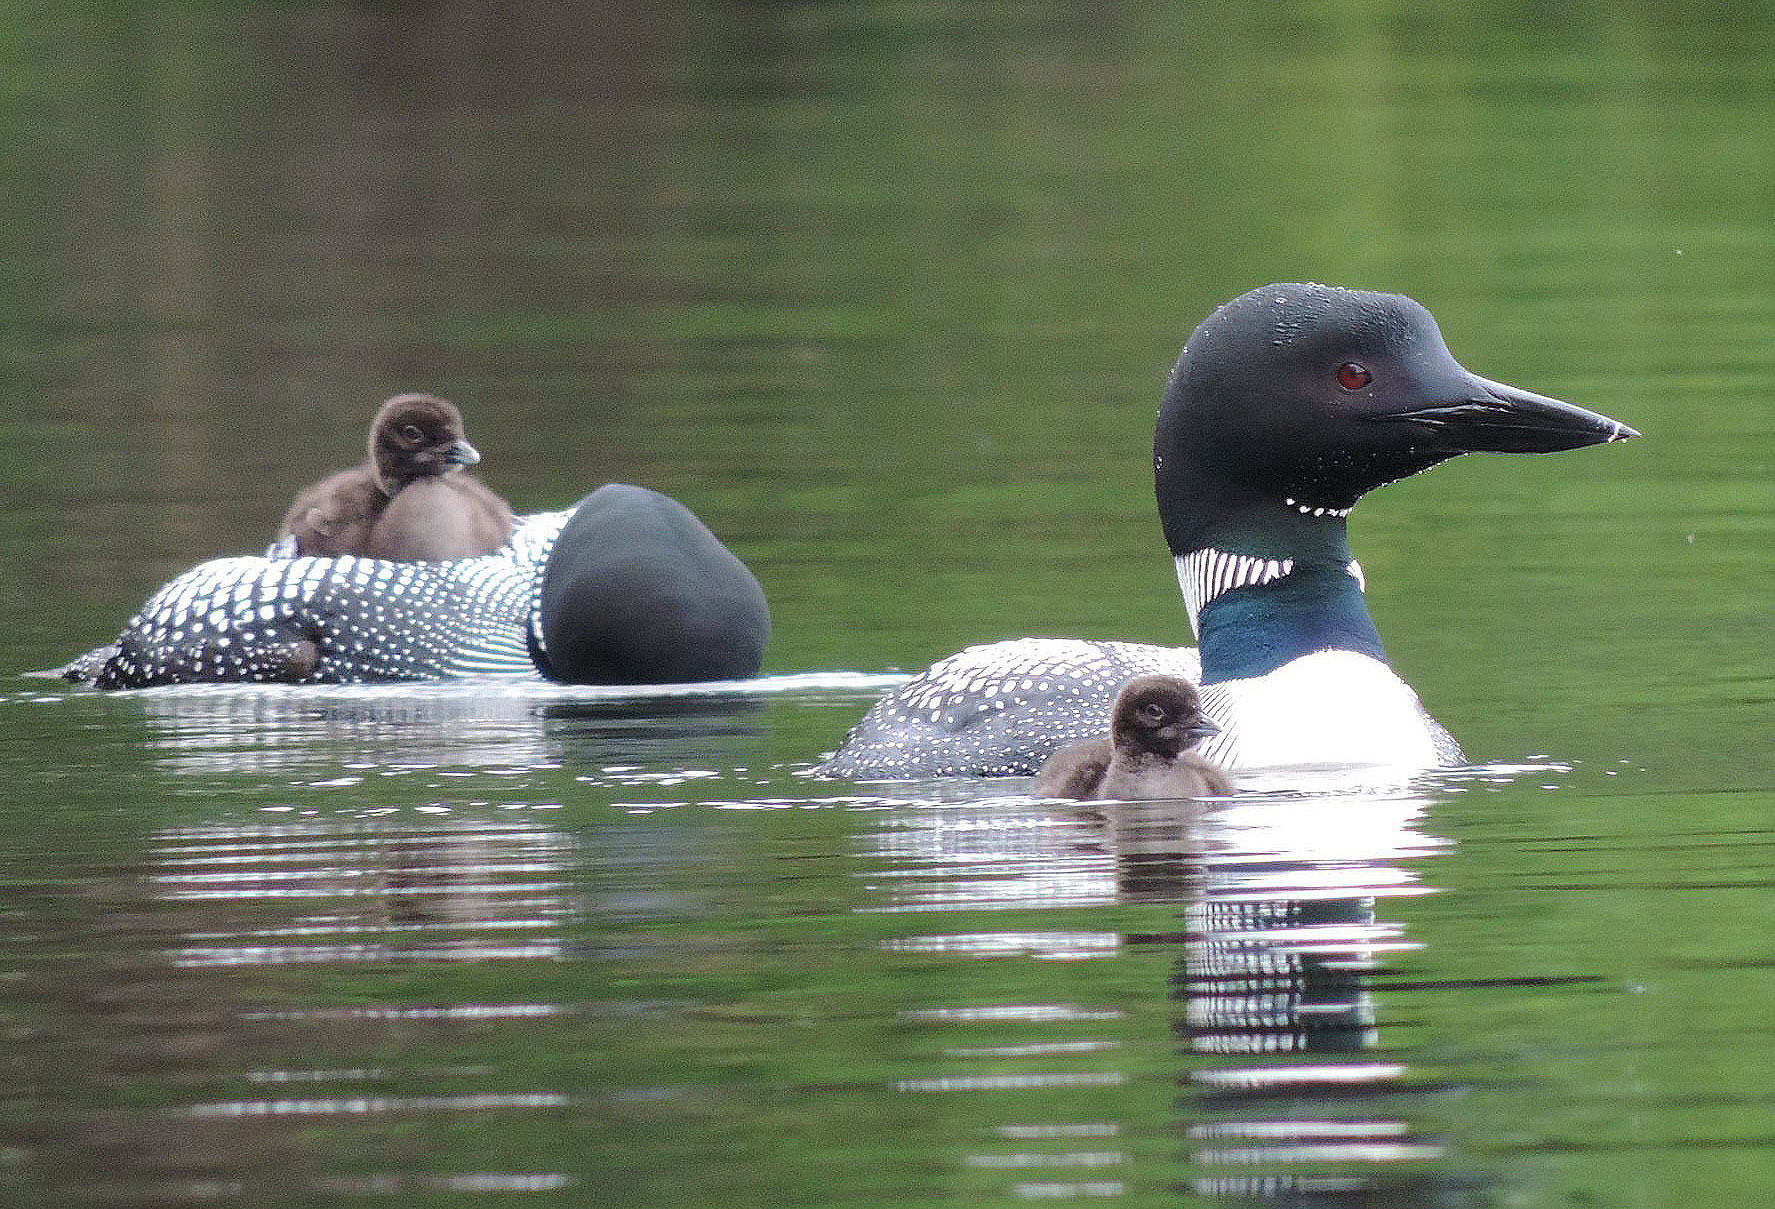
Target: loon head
point(1160, 715)
point(414, 436)
point(1292, 401)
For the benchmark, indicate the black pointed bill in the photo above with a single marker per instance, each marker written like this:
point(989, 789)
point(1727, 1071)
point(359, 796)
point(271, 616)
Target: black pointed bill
point(1496, 418)
point(462, 454)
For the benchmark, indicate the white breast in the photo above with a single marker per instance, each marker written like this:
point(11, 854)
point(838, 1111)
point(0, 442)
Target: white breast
point(1330, 707)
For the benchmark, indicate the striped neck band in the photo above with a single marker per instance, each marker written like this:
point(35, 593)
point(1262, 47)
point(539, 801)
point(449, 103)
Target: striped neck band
point(1205, 574)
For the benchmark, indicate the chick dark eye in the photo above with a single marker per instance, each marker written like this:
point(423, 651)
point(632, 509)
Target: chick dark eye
point(1152, 715)
point(1352, 376)
point(412, 433)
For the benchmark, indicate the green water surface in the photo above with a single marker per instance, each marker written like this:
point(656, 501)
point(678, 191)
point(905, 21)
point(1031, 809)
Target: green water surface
point(886, 292)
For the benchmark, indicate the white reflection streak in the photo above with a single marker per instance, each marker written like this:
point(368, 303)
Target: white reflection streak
point(252, 837)
point(258, 892)
point(1012, 1162)
point(496, 1181)
point(1012, 1082)
point(354, 1074)
point(1232, 884)
point(1034, 1133)
point(1331, 1152)
point(212, 872)
point(1285, 1076)
point(1004, 894)
point(255, 955)
point(468, 1181)
point(1040, 1049)
point(1291, 1130)
point(1016, 1012)
point(1053, 946)
point(551, 920)
point(460, 1011)
point(210, 855)
point(1068, 1192)
point(358, 1105)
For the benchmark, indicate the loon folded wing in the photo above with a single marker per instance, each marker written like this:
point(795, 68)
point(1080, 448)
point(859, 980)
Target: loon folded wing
point(1000, 709)
point(328, 620)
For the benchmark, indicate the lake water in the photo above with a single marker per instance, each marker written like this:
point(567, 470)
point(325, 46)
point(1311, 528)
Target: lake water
point(886, 293)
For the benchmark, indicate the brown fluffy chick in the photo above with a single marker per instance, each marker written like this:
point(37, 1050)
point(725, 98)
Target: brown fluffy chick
point(1154, 722)
point(410, 501)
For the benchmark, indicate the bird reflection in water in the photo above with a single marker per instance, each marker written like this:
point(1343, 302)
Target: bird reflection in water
point(1290, 1097)
point(366, 890)
point(1289, 1094)
point(206, 729)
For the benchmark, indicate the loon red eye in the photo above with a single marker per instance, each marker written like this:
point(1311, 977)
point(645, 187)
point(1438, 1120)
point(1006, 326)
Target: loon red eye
point(1351, 376)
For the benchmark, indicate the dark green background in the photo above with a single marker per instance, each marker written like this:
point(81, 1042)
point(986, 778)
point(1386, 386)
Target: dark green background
point(887, 294)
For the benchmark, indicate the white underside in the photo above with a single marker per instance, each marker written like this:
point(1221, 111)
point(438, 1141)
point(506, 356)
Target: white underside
point(1327, 708)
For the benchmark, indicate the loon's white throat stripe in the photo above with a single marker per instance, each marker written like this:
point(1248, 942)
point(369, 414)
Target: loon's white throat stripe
point(1205, 574)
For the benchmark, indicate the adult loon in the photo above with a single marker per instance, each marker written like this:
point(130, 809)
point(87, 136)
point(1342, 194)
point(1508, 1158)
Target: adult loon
point(410, 501)
point(1286, 406)
point(1155, 721)
point(625, 587)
